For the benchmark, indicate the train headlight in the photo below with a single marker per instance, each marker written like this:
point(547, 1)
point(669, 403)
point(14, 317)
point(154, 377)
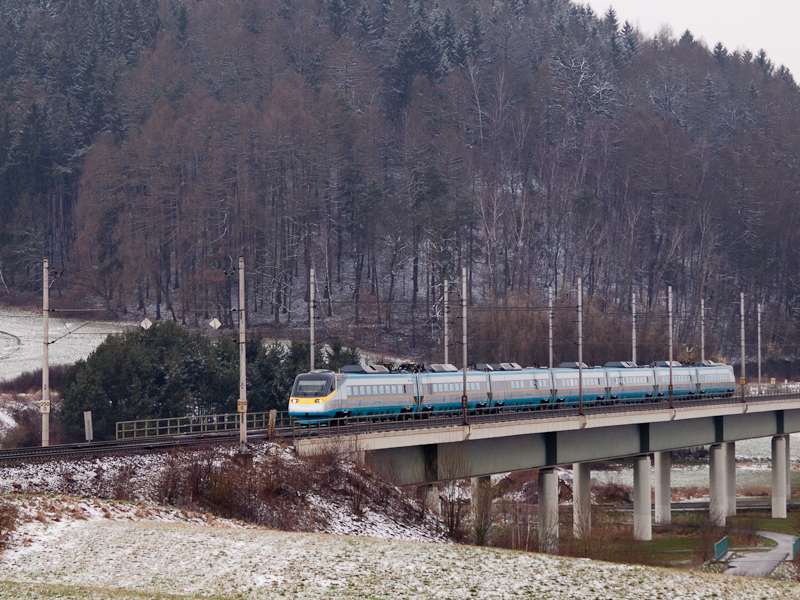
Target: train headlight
point(317, 400)
point(294, 400)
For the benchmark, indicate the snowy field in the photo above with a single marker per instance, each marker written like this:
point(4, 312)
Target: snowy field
point(91, 548)
point(71, 340)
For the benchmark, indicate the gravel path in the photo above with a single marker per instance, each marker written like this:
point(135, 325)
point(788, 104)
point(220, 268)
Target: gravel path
point(762, 564)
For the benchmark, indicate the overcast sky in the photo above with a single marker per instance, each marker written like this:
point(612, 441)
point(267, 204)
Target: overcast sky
point(740, 25)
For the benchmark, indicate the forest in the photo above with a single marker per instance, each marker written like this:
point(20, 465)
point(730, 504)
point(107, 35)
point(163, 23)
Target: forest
point(389, 144)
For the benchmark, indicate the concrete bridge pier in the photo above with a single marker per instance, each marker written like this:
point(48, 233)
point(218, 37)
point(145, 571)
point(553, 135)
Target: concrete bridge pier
point(717, 488)
point(642, 521)
point(779, 477)
point(788, 468)
point(730, 477)
point(581, 500)
point(548, 511)
point(662, 463)
point(430, 496)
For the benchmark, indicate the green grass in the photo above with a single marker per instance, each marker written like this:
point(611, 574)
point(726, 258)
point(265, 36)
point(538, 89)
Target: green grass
point(766, 542)
point(670, 544)
point(37, 591)
point(762, 520)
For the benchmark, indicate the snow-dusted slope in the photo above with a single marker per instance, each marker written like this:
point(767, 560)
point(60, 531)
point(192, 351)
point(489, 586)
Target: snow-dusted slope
point(143, 549)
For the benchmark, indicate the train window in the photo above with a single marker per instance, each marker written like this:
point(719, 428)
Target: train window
point(381, 390)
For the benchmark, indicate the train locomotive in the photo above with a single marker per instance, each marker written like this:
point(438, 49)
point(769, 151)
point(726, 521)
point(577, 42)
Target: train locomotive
point(373, 391)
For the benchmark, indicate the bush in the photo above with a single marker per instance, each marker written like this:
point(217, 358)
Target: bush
point(612, 493)
point(32, 380)
point(8, 522)
point(168, 372)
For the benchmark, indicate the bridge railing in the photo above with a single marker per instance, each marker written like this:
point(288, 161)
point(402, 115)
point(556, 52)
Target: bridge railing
point(229, 422)
point(196, 424)
point(385, 422)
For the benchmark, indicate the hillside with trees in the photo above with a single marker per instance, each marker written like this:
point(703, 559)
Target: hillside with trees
point(388, 144)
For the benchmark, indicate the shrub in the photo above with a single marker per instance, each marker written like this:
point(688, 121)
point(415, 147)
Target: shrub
point(8, 522)
point(32, 380)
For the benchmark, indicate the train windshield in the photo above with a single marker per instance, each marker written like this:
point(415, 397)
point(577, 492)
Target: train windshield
point(306, 386)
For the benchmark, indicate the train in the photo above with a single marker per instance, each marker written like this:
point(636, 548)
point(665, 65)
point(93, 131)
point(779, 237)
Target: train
point(376, 391)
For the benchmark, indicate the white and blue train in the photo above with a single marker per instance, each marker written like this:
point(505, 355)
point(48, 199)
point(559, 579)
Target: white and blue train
point(374, 391)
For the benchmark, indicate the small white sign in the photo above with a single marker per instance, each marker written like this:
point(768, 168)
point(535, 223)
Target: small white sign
point(146, 324)
point(87, 425)
point(215, 323)
point(44, 407)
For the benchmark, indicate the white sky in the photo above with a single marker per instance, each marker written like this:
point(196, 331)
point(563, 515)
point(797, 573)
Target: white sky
point(738, 24)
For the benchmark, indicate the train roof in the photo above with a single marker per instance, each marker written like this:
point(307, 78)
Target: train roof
point(364, 369)
point(440, 368)
point(497, 367)
point(708, 363)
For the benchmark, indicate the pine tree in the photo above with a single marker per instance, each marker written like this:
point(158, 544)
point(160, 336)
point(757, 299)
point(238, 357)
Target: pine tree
point(611, 22)
point(764, 63)
point(417, 53)
point(363, 23)
point(720, 54)
point(181, 25)
point(475, 35)
point(687, 39)
point(338, 16)
point(785, 76)
point(631, 45)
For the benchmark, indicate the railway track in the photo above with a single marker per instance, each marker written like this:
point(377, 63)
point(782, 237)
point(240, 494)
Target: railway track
point(85, 449)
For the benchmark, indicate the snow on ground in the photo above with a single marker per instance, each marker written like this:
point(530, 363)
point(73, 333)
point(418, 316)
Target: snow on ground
point(137, 477)
point(71, 340)
point(139, 548)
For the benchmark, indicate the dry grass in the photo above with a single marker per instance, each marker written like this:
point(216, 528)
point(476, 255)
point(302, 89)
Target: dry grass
point(754, 490)
point(688, 493)
point(8, 522)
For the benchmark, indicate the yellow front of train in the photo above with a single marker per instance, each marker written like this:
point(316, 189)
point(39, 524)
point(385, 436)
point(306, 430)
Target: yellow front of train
point(314, 397)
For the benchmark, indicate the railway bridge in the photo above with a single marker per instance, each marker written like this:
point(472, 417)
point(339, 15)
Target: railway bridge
point(426, 454)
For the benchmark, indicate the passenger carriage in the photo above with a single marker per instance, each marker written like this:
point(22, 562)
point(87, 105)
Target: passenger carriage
point(628, 382)
point(513, 387)
point(441, 388)
point(715, 379)
point(684, 380)
point(566, 388)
